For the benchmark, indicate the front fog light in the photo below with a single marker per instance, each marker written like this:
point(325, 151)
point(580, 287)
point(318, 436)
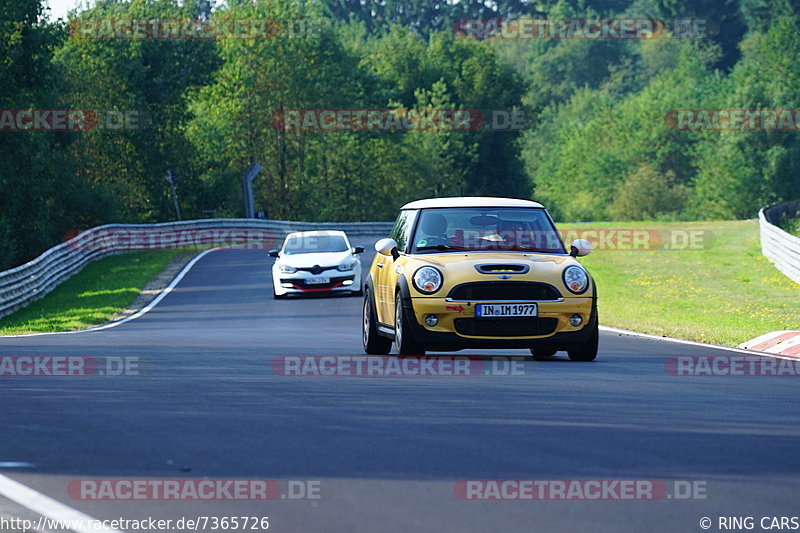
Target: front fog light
point(576, 320)
point(347, 282)
point(431, 320)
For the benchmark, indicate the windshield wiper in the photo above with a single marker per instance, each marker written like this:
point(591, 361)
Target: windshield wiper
point(441, 247)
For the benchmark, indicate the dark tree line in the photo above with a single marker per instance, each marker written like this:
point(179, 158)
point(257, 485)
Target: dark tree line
point(594, 145)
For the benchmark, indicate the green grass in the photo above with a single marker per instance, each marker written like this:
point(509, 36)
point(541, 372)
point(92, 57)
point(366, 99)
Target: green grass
point(103, 289)
point(725, 293)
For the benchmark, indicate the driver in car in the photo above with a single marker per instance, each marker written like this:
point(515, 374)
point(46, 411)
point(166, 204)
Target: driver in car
point(434, 228)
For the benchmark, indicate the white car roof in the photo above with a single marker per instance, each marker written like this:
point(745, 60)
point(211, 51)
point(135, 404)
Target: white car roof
point(317, 233)
point(471, 201)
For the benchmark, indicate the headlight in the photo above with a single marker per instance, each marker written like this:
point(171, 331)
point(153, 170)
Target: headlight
point(427, 280)
point(286, 269)
point(576, 279)
point(346, 266)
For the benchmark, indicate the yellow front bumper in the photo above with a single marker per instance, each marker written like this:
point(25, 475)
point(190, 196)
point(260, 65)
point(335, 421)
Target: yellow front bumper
point(447, 312)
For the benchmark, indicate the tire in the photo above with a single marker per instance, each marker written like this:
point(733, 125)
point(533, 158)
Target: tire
point(373, 343)
point(588, 350)
point(541, 354)
point(278, 296)
point(357, 293)
point(405, 343)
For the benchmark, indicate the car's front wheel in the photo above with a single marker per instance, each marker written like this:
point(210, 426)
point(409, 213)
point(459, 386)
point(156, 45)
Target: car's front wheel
point(373, 343)
point(588, 350)
point(405, 343)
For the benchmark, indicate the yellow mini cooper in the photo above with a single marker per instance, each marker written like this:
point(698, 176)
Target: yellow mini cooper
point(479, 273)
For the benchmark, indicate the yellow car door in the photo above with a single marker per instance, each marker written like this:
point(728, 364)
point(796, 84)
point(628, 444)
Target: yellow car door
point(385, 277)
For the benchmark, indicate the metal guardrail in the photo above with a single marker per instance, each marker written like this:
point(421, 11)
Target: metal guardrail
point(780, 247)
point(26, 283)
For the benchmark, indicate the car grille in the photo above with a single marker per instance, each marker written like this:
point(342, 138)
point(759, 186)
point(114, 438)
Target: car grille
point(504, 290)
point(316, 269)
point(506, 327)
point(301, 283)
point(502, 268)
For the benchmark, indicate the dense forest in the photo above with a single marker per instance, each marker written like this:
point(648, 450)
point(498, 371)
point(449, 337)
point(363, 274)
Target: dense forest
point(596, 142)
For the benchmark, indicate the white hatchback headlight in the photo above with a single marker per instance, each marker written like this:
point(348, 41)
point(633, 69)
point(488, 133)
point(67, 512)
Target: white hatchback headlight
point(427, 280)
point(346, 266)
point(576, 279)
point(286, 269)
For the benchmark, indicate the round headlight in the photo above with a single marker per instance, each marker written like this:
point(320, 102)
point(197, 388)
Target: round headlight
point(576, 279)
point(427, 280)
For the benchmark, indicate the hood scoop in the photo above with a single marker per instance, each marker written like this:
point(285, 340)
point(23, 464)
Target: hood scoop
point(502, 268)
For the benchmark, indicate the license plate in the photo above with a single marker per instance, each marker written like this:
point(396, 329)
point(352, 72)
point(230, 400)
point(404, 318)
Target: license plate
point(319, 280)
point(501, 310)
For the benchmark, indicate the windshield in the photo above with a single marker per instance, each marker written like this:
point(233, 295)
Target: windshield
point(314, 244)
point(486, 229)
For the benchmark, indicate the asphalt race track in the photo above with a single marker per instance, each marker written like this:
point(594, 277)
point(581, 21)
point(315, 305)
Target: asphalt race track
point(387, 451)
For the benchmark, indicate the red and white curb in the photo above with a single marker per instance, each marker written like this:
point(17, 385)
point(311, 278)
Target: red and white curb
point(777, 343)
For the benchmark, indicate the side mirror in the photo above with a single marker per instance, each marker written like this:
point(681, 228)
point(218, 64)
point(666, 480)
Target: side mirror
point(358, 250)
point(387, 247)
point(274, 253)
point(580, 248)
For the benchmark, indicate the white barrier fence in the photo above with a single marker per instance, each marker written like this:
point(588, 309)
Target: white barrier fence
point(780, 247)
point(31, 281)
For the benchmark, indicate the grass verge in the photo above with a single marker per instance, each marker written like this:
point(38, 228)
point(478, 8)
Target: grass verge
point(102, 290)
point(723, 292)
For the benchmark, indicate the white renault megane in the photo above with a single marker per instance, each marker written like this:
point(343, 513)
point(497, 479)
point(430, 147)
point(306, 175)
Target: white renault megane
point(316, 261)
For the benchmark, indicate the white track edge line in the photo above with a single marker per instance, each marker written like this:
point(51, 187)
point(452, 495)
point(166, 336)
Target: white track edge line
point(139, 313)
point(696, 343)
point(46, 506)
